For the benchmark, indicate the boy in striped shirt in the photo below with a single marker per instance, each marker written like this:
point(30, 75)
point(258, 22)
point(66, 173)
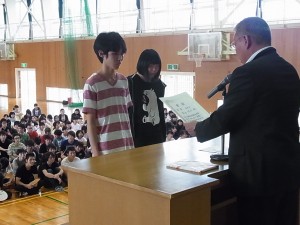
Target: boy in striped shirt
point(106, 99)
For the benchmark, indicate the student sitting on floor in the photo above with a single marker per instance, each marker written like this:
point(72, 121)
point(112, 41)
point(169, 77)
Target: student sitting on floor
point(30, 149)
point(81, 152)
point(69, 160)
point(51, 148)
point(71, 157)
point(4, 143)
point(51, 173)
point(12, 148)
point(27, 182)
point(20, 160)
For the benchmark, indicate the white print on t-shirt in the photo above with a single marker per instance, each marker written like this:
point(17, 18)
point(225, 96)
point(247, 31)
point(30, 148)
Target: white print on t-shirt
point(150, 106)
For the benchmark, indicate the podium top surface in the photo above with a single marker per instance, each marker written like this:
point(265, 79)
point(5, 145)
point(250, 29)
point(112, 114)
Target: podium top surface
point(145, 168)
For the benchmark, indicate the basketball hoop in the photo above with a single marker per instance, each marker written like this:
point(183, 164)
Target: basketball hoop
point(198, 58)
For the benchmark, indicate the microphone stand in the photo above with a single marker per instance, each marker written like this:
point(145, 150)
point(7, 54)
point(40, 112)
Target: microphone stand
point(222, 156)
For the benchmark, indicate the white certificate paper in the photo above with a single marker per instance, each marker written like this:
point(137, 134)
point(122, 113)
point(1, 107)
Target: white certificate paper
point(185, 107)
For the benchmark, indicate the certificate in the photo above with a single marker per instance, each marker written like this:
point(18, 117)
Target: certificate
point(185, 107)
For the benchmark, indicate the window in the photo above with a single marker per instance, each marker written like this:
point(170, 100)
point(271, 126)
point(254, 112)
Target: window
point(167, 15)
point(55, 97)
point(3, 98)
point(178, 82)
point(3, 90)
point(90, 17)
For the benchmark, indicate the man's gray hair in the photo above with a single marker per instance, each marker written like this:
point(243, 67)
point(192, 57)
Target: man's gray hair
point(255, 27)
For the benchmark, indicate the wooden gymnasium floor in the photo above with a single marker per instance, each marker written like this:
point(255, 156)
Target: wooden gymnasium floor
point(51, 208)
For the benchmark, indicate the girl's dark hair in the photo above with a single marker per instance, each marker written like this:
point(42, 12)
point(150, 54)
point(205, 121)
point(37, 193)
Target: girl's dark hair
point(147, 57)
point(109, 41)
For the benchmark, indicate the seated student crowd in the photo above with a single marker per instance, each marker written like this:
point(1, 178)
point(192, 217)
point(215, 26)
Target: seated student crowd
point(175, 129)
point(34, 146)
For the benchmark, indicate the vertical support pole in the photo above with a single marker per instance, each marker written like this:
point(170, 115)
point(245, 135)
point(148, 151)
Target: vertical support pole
point(60, 13)
point(30, 19)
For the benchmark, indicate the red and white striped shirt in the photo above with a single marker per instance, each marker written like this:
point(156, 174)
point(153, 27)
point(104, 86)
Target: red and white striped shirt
point(110, 105)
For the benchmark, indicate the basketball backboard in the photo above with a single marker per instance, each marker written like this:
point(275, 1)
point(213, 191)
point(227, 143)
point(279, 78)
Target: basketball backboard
point(210, 46)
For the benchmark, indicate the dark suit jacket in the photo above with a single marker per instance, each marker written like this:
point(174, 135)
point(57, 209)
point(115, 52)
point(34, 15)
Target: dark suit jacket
point(261, 113)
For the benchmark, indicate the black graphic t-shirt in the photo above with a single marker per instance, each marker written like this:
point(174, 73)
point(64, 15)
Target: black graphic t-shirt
point(147, 115)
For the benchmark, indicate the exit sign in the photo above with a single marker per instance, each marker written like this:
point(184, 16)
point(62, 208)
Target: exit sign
point(172, 67)
point(23, 65)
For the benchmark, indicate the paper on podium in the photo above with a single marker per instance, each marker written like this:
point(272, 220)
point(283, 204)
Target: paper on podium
point(185, 107)
point(192, 166)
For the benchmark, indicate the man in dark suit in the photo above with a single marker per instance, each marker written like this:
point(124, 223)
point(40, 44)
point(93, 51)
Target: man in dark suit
point(261, 113)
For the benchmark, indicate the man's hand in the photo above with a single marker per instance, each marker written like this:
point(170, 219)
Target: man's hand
point(190, 127)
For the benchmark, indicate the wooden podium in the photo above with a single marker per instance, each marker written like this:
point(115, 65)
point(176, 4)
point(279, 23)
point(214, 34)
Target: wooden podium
point(134, 187)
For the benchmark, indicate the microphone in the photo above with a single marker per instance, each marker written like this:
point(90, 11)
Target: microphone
point(220, 86)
